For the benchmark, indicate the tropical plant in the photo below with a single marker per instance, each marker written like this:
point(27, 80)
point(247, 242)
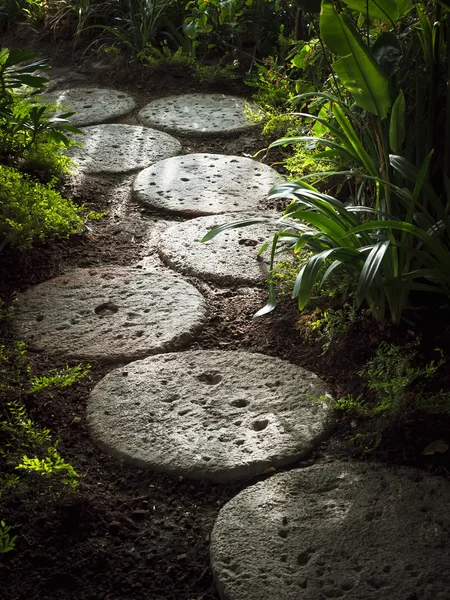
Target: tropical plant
point(246, 26)
point(25, 125)
point(390, 256)
point(394, 231)
point(16, 11)
point(137, 24)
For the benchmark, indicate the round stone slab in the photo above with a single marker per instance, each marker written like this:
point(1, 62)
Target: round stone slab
point(92, 105)
point(198, 114)
point(338, 530)
point(118, 148)
point(205, 184)
point(231, 258)
point(221, 416)
point(109, 314)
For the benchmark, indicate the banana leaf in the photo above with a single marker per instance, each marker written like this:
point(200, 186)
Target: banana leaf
point(384, 10)
point(357, 69)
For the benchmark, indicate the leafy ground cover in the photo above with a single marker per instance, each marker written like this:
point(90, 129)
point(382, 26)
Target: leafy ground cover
point(123, 533)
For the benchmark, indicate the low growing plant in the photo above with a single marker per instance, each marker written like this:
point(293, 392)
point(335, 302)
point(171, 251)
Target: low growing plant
point(31, 211)
point(23, 436)
point(27, 448)
point(390, 375)
point(7, 541)
point(163, 59)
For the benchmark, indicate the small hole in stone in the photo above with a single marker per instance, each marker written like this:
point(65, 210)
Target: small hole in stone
point(260, 425)
point(210, 378)
point(240, 403)
point(169, 399)
point(106, 309)
point(40, 318)
point(206, 458)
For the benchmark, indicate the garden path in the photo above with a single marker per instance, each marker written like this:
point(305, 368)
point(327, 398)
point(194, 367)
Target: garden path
point(332, 530)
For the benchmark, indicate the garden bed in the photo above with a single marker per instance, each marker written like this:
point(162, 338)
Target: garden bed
point(124, 532)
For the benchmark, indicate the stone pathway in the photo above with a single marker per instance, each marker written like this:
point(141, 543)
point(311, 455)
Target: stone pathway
point(230, 259)
point(337, 530)
point(222, 416)
point(93, 105)
point(119, 148)
point(204, 184)
point(198, 114)
point(109, 314)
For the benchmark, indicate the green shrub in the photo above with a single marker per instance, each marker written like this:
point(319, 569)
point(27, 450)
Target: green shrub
point(163, 59)
point(390, 375)
point(18, 11)
point(31, 211)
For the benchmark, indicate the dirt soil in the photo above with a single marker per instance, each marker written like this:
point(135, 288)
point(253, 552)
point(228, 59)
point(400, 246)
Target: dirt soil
point(127, 533)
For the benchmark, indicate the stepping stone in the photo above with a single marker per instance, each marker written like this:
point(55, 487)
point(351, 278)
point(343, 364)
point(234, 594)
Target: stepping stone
point(205, 184)
point(231, 258)
point(198, 114)
point(118, 148)
point(220, 416)
point(109, 314)
point(337, 530)
point(92, 105)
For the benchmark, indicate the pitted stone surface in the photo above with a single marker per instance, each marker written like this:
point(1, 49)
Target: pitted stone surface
point(198, 114)
point(221, 416)
point(118, 148)
point(109, 314)
point(231, 258)
point(338, 530)
point(205, 184)
point(92, 105)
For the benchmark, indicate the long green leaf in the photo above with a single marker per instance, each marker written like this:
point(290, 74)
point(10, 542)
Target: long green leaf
point(357, 69)
point(309, 274)
point(354, 140)
point(272, 299)
point(409, 172)
point(397, 129)
point(440, 251)
point(233, 225)
point(384, 10)
point(311, 139)
point(370, 271)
